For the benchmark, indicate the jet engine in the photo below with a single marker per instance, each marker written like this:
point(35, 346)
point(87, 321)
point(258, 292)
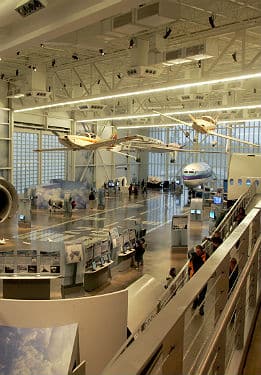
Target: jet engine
point(8, 200)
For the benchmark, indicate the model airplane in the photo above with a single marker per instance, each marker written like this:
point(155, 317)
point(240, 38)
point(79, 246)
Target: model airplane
point(207, 125)
point(91, 142)
point(196, 174)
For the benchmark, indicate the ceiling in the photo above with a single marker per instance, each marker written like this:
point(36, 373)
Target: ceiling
point(82, 28)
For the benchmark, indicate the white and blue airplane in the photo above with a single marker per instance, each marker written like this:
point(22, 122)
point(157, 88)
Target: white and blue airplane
point(197, 174)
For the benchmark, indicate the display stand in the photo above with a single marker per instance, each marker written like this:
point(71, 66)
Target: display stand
point(24, 213)
point(125, 259)
point(196, 209)
point(93, 279)
point(179, 231)
point(30, 287)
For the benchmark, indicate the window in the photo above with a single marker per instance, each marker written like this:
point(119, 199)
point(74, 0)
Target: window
point(25, 160)
point(53, 163)
point(26, 165)
point(161, 166)
point(239, 181)
point(231, 181)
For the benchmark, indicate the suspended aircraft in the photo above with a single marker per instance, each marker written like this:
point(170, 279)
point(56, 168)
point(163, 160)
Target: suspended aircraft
point(90, 142)
point(196, 174)
point(207, 125)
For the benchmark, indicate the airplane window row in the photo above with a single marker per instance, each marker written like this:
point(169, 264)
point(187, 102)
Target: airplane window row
point(240, 182)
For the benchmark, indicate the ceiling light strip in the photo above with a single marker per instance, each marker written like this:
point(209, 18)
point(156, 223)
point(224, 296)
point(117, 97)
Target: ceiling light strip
point(142, 92)
point(148, 115)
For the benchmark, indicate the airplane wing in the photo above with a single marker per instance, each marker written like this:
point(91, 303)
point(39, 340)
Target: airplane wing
point(112, 142)
point(53, 149)
point(232, 138)
point(174, 118)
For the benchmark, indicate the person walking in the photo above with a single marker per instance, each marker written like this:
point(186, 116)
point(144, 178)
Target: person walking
point(198, 258)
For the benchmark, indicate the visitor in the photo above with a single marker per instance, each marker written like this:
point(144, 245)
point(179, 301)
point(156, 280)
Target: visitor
point(140, 250)
point(92, 199)
point(240, 215)
point(130, 189)
point(198, 258)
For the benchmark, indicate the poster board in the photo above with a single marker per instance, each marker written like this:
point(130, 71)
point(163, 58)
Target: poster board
point(50, 262)
point(26, 261)
point(7, 262)
point(73, 253)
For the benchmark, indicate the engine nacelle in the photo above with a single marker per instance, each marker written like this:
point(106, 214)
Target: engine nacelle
point(8, 200)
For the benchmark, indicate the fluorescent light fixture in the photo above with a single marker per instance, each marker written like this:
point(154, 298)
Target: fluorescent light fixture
point(142, 92)
point(16, 96)
point(118, 118)
point(171, 125)
point(148, 126)
point(201, 56)
point(149, 115)
point(176, 61)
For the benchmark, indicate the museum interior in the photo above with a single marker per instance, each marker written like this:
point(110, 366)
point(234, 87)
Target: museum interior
point(130, 187)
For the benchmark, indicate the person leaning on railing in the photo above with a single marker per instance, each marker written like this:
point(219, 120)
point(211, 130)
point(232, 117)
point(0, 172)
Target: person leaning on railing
point(198, 258)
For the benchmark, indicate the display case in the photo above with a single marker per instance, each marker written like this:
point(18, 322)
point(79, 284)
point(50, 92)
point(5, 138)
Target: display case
point(179, 231)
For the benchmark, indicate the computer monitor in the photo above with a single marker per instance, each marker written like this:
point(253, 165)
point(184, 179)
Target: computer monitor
point(198, 212)
point(111, 184)
point(94, 266)
point(212, 215)
point(192, 211)
point(217, 200)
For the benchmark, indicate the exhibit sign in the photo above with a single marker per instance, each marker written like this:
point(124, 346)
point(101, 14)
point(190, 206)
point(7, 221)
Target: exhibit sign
point(50, 262)
point(73, 253)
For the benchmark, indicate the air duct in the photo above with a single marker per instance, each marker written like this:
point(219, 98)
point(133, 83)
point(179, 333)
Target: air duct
point(8, 200)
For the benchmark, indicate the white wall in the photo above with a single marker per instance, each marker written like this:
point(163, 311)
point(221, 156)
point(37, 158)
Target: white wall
point(102, 322)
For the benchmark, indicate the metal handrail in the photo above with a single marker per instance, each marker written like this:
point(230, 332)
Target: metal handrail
point(227, 312)
point(182, 277)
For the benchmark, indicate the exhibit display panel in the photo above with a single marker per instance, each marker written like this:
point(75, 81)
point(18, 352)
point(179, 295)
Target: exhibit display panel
point(98, 320)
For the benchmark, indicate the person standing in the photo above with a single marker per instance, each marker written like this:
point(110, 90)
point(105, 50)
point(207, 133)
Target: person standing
point(140, 250)
point(92, 199)
point(130, 189)
point(198, 258)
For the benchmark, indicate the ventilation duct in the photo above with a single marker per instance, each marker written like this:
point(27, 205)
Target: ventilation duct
point(140, 53)
point(201, 51)
point(157, 14)
point(92, 107)
point(125, 24)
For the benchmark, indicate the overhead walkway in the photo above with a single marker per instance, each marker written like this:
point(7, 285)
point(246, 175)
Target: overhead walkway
point(175, 339)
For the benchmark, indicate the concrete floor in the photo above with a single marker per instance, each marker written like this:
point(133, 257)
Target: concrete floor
point(155, 211)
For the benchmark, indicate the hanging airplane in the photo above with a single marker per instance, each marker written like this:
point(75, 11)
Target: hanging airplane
point(196, 174)
point(91, 142)
point(207, 125)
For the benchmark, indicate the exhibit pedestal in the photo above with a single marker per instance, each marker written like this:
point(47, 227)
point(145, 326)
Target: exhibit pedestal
point(95, 279)
point(30, 287)
point(125, 260)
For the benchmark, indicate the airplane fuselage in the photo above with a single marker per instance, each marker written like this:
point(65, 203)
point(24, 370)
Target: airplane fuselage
point(203, 126)
point(196, 174)
point(78, 141)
